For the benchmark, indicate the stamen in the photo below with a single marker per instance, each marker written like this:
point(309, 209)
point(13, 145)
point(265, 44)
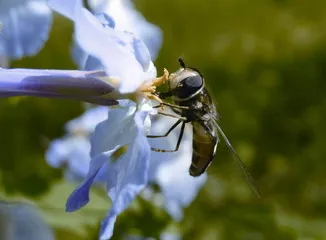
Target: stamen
point(156, 98)
point(149, 88)
point(161, 80)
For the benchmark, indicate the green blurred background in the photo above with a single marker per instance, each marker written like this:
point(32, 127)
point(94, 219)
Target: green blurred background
point(265, 63)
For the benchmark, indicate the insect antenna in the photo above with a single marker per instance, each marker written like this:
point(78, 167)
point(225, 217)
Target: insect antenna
point(181, 62)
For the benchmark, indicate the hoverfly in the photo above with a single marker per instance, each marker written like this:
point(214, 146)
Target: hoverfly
point(194, 105)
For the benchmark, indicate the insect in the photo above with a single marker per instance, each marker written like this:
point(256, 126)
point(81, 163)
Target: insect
point(194, 105)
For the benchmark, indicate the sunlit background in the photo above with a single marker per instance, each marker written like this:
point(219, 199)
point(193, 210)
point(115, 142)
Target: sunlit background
point(265, 63)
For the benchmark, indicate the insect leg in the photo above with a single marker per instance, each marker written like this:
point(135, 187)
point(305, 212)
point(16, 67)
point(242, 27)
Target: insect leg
point(178, 143)
point(156, 98)
point(168, 132)
point(172, 106)
point(177, 111)
point(173, 116)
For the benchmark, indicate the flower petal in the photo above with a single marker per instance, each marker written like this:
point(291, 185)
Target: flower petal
point(25, 27)
point(64, 82)
point(115, 49)
point(22, 221)
point(127, 18)
point(87, 122)
point(79, 85)
point(142, 54)
point(57, 152)
point(118, 129)
point(80, 196)
point(66, 8)
point(88, 62)
point(171, 170)
point(82, 58)
point(131, 176)
point(72, 151)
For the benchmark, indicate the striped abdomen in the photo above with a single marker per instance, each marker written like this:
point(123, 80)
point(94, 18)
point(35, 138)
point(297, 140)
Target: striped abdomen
point(204, 147)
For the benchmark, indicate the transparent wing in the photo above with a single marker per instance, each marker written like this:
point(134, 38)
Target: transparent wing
point(247, 176)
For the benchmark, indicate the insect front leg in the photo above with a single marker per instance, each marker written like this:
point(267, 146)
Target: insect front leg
point(173, 116)
point(172, 106)
point(156, 98)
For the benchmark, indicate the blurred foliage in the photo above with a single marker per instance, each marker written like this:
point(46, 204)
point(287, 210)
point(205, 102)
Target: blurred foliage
point(265, 63)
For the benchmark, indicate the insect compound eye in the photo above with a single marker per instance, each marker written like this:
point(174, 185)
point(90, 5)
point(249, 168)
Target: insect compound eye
point(188, 86)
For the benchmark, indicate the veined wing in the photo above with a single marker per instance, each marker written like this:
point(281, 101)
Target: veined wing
point(247, 176)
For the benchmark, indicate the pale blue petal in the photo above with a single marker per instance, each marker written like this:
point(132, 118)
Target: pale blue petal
point(131, 176)
point(150, 34)
point(79, 85)
point(79, 56)
point(57, 153)
point(80, 196)
point(19, 221)
point(113, 48)
point(64, 7)
point(87, 122)
point(92, 63)
point(65, 82)
point(25, 27)
point(129, 19)
point(72, 151)
point(79, 158)
point(83, 59)
point(171, 170)
point(118, 129)
point(142, 54)
point(98, 6)
point(106, 20)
